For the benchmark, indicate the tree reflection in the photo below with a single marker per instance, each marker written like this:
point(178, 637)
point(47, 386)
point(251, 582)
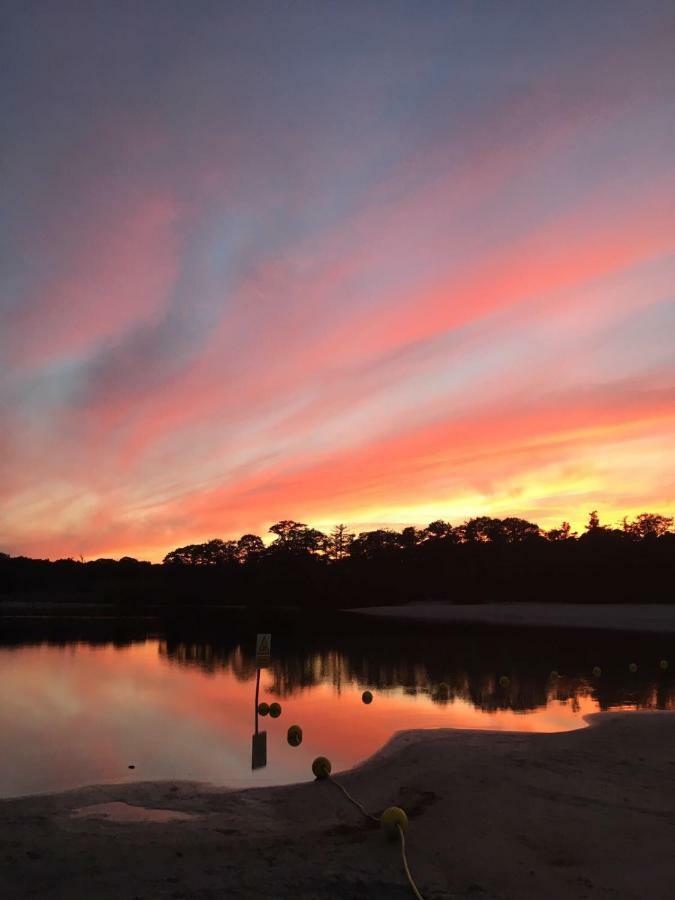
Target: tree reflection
point(447, 665)
point(464, 666)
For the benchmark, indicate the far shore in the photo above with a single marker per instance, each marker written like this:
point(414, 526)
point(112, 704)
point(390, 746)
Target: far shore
point(493, 815)
point(647, 617)
point(652, 618)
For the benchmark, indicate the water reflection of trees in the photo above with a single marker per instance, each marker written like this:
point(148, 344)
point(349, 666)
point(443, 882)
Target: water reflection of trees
point(469, 664)
point(468, 661)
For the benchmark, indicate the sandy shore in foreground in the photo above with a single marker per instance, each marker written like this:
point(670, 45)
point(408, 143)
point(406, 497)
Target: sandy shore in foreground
point(647, 617)
point(581, 814)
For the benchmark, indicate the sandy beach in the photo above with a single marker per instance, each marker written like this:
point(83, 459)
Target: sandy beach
point(643, 617)
point(582, 814)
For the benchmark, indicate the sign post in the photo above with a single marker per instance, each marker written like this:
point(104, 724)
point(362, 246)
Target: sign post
point(263, 646)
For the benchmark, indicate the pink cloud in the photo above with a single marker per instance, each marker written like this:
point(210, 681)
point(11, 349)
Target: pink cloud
point(414, 468)
point(269, 352)
point(324, 333)
point(120, 278)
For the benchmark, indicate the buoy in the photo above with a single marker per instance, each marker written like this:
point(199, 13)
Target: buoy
point(367, 697)
point(275, 710)
point(597, 671)
point(663, 665)
point(263, 708)
point(633, 668)
point(391, 818)
point(321, 768)
point(294, 735)
point(554, 675)
point(504, 681)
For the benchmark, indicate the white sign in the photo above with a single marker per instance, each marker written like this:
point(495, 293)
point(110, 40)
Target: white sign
point(263, 646)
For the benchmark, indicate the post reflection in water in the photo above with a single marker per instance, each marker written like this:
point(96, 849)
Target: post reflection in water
point(259, 738)
point(77, 709)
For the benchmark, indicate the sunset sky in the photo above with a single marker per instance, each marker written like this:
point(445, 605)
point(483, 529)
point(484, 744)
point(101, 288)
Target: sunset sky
point(362, 262)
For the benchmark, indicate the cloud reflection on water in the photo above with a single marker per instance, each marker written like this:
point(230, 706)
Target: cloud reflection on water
point(78, 713)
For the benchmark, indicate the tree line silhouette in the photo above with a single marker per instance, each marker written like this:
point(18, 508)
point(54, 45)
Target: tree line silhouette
point(485, 559)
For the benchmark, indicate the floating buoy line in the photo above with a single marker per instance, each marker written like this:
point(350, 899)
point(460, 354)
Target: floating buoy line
point(393, 820)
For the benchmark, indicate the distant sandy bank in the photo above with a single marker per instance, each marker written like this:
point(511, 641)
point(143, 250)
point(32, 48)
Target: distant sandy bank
point(651, 617)
point(493, 815)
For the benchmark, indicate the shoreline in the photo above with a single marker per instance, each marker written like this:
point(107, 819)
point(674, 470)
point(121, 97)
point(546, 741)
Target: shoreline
point(653, 618)
point(492, 814)
point(646, 618)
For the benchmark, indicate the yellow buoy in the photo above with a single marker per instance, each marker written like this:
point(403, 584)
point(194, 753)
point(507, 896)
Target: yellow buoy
point(597, 671)
point(275, 710)
point(663, 665)
point(391, 818)
point(263, 708)
point(367, 697)
point(321, 767)
point(633, 668)
point(504, 681)
point(294, 735)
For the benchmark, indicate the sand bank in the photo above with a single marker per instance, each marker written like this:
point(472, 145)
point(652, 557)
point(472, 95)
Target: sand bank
point(581, 814)
point(647, 617)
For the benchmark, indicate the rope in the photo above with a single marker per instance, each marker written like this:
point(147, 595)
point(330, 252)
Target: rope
point(352, 800)
point(376, 819)
point(405, 866)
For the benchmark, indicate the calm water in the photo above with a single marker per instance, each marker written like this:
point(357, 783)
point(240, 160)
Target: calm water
point(80, 708)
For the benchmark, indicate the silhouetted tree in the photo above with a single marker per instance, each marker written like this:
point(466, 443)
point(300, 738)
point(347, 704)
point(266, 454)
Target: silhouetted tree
point(296, 537)
point(339, 542)
point(647, 525)
point(594, 522)
point(249, 547)
point(410, 537)
point(481, 529)
point(374, 543)
point(485, 529)
point(213, 553)
point(564, 533)
point(438, 530)
point(516, 530)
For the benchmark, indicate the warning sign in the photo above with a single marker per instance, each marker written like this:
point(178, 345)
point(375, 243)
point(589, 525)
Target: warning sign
point(263, 646)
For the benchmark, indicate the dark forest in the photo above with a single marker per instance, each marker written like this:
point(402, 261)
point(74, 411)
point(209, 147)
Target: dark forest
point(482, 560)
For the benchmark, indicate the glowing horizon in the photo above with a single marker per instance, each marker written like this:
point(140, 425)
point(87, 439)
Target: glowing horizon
point(361, 264)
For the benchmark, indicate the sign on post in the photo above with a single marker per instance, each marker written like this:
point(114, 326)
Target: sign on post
point(263, 646)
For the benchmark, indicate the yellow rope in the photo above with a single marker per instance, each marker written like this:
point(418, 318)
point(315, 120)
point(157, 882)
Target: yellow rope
point(376, 819)
point(405, 866)
point(352, 800)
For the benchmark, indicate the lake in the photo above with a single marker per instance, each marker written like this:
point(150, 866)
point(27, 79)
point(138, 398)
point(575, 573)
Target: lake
point(80, 704)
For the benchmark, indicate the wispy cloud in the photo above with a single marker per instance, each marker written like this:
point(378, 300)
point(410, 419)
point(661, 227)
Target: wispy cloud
point(426, 271)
